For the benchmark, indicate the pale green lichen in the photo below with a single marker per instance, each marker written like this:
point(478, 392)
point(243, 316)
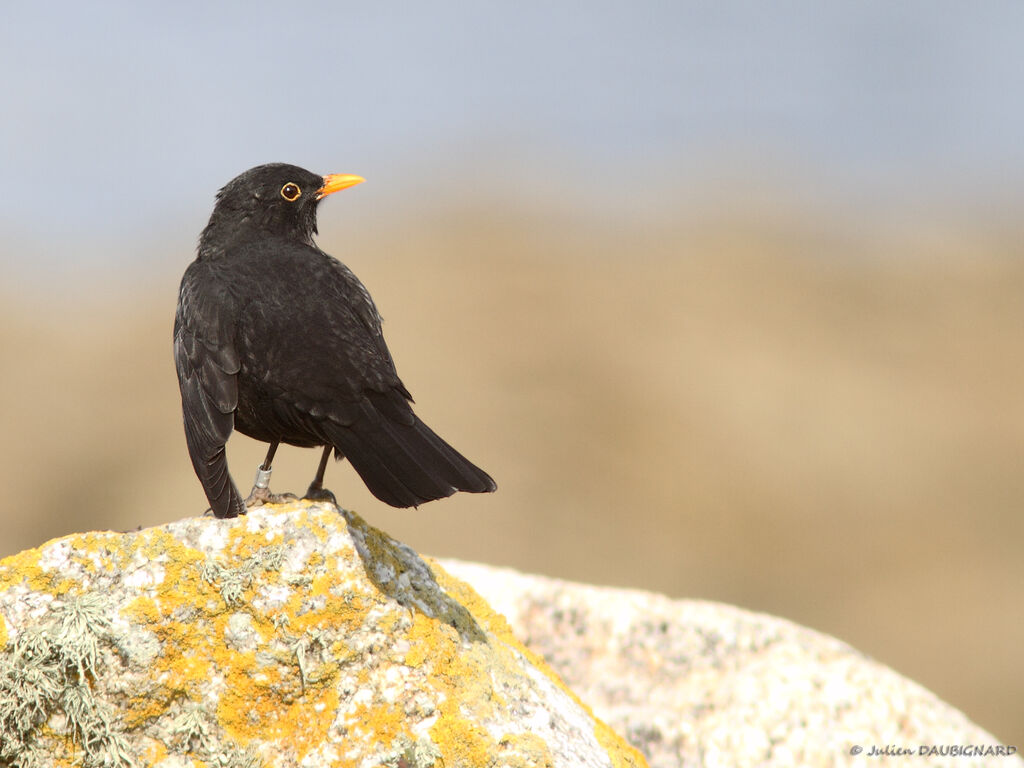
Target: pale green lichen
point(45, 682)
point(192, 735)
point(406, 753)
point(29, 688)
point(302, 646)
point(238, 758)
point(191, 731)
point(232, 582)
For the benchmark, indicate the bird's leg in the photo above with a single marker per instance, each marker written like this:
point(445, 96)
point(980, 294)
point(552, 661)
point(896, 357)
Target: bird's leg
point(260, 493)
point(316, 490)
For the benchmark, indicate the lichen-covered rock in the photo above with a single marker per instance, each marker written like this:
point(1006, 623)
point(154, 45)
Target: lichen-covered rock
point(293, 636)
point(694, 683)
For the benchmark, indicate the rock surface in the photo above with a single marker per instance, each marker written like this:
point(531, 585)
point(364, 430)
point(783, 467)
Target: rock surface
point(293, 636)
point(702, 684)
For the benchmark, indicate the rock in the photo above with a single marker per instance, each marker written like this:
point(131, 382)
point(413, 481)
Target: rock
point(694, 683)
point(293, 636)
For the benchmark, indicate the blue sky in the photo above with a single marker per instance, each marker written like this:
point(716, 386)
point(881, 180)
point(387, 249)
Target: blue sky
point(122, 119)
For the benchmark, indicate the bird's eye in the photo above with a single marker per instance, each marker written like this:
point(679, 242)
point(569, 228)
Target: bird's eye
point(290, 192)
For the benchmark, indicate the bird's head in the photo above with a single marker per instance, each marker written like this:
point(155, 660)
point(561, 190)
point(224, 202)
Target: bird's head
point(275, 198)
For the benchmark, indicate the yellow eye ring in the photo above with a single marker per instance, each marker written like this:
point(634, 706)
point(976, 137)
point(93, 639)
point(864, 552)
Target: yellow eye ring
point(290, 192)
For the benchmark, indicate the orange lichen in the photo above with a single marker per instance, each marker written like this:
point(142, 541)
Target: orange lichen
point(418, 635)
point(461, 741)
point(377, 723)
point(249, 709)
point(621, 753)
point(24, 569)
point(493, 621)
point(532, 749)
point(153, 753)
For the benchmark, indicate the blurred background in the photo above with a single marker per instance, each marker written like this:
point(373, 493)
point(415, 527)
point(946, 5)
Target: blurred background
point(729, 298)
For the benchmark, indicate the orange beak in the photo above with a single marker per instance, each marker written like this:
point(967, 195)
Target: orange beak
point(336, 182)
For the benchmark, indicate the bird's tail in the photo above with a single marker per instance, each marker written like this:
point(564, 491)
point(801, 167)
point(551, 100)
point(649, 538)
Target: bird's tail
point(404, 463)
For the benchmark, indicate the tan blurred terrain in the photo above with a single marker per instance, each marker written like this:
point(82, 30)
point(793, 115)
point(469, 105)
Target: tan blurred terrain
point(794, 414)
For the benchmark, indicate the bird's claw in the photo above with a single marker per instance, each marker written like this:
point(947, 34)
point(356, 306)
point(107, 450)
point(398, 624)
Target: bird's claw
point(261, 496)
point(317, 493)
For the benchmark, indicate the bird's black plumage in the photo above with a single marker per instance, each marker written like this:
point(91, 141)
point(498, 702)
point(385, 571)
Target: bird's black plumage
point(280, 341)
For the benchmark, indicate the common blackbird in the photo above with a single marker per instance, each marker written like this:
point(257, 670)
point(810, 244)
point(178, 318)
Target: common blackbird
point(280, 341)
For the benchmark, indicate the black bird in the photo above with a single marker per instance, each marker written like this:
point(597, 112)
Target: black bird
point(280, 341)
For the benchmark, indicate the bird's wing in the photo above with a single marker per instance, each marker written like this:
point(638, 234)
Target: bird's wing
point(314, 342)
point(207, 364)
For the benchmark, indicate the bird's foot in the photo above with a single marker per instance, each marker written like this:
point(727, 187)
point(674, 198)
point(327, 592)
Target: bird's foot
point(319, 493)
point(261, 496)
